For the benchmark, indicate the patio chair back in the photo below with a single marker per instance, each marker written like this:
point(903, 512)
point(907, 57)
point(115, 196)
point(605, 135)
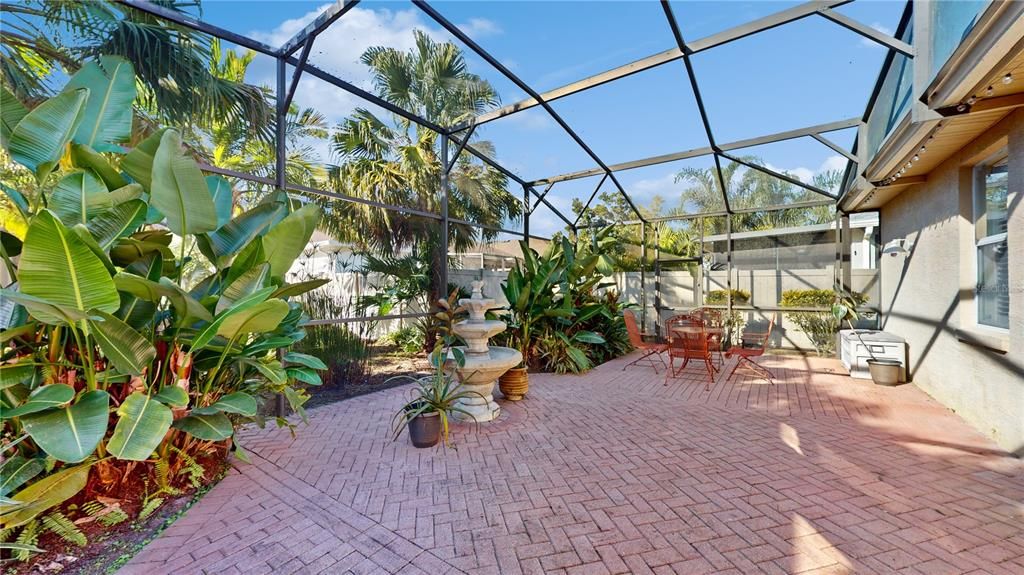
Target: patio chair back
point(675, 340)
point(633, 330)
point(754, 343)
point(695, 343)
point(692, 344)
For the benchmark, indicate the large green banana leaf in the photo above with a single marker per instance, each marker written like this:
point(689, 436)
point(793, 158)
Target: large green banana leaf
point(17, 470)
point(251, 256)
point(206, 334)
point(11, 112)
point(218, 246)
point(179, 190)
point(48, 492)
point(72, 433)
point(85, 157)
point(184, 305)
point(42, 398)
point(142, 423)
point(299, 288)
point(15, 373)
point(238, 402)
point(39, 139)
point(260, 318)
point(210, 427)
point(285, 241)
point(40, 308)
point(135, 311)
point(78, 196)
point(247, 284)
point(223, 198)
point(117, 222)
point(138, 163)
point(126, 348)
point(107, 117)
point(59, 268)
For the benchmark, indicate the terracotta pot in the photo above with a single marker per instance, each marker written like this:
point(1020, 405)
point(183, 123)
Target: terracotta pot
point(425, 430)
point(514, 383)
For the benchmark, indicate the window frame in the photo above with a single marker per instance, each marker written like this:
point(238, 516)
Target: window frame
point(979, 214)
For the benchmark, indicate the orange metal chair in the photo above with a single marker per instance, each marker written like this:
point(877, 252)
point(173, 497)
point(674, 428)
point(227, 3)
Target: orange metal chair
point(650, 350)
point(712, 317)
point(752, 344)
point(689, 343)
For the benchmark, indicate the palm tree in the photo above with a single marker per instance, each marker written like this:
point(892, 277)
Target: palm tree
point(176, 85)
point(748, 188)
point(394, 161)
point(233, 146)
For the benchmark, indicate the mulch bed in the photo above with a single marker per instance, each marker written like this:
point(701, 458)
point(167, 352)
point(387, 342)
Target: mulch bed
point(383, 372)
point(109, 548)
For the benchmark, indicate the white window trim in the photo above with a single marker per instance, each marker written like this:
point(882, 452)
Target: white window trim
point(977, 186)
point(993, 239)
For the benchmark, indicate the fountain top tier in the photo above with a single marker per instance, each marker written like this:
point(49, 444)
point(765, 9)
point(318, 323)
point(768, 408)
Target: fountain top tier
point(477, 304)
point(477, 330)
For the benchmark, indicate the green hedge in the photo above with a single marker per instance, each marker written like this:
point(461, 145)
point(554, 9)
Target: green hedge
point(718, 296)
point(819, 326)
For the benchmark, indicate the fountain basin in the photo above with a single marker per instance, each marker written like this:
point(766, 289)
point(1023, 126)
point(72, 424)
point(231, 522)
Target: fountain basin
point(479, 374)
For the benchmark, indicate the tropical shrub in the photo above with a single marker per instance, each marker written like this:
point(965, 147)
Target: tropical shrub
point(145, 318)
point(408, 339)
point(343, 347)
point(557, 318)
point(720, 297)
point(820, 327)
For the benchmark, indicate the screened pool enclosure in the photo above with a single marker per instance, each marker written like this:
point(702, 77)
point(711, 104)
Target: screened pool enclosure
point(741, 243)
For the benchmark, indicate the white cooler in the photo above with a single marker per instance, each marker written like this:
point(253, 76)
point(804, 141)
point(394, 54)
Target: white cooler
point(883, 345)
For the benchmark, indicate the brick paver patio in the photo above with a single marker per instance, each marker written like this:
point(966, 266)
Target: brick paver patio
point(614, 472)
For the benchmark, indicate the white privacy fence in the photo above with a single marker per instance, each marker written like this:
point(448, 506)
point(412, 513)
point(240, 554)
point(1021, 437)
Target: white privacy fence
point(674, 292)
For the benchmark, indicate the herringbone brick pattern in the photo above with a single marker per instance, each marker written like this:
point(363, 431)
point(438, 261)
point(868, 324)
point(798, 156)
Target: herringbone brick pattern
point(616, 472)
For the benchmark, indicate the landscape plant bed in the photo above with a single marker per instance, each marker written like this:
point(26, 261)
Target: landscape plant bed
point(383, 366)
point(110, 547)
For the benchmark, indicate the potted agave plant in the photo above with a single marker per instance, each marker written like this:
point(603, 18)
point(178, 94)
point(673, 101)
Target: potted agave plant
point(437, 396)
point(844, 308)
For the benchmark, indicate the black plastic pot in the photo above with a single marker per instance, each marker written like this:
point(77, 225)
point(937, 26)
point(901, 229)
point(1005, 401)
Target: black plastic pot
point(425, 430)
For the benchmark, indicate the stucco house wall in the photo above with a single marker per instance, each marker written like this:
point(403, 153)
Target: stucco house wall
point(927, 295)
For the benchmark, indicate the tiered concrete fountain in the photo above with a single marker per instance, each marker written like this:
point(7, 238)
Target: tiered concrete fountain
point(484, 364)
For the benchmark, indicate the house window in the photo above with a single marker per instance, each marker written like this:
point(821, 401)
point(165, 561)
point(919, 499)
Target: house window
point(990, 220)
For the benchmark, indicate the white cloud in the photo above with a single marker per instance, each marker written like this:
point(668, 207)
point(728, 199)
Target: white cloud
point(529, 122)
point(337, 50)
point(480, 27)
point(643, 191)
point(881, 28)
point(806, 175)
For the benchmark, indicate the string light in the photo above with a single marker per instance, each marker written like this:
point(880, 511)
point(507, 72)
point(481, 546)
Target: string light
point(971, 101)
point(989, 91)
point(1008, 78)
point(916, 157)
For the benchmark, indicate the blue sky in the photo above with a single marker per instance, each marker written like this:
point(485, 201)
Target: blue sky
point(807, 72)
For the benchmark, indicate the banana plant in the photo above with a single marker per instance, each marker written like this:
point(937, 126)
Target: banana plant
point(541, 291)
point(111, 352)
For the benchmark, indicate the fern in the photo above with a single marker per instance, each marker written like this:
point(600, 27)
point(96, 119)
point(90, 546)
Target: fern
point(192, 468)
point(58, 524)
point(29, 536)
point(5, 534)
point(108, 515)
point(163, 478)
point(149, 507)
